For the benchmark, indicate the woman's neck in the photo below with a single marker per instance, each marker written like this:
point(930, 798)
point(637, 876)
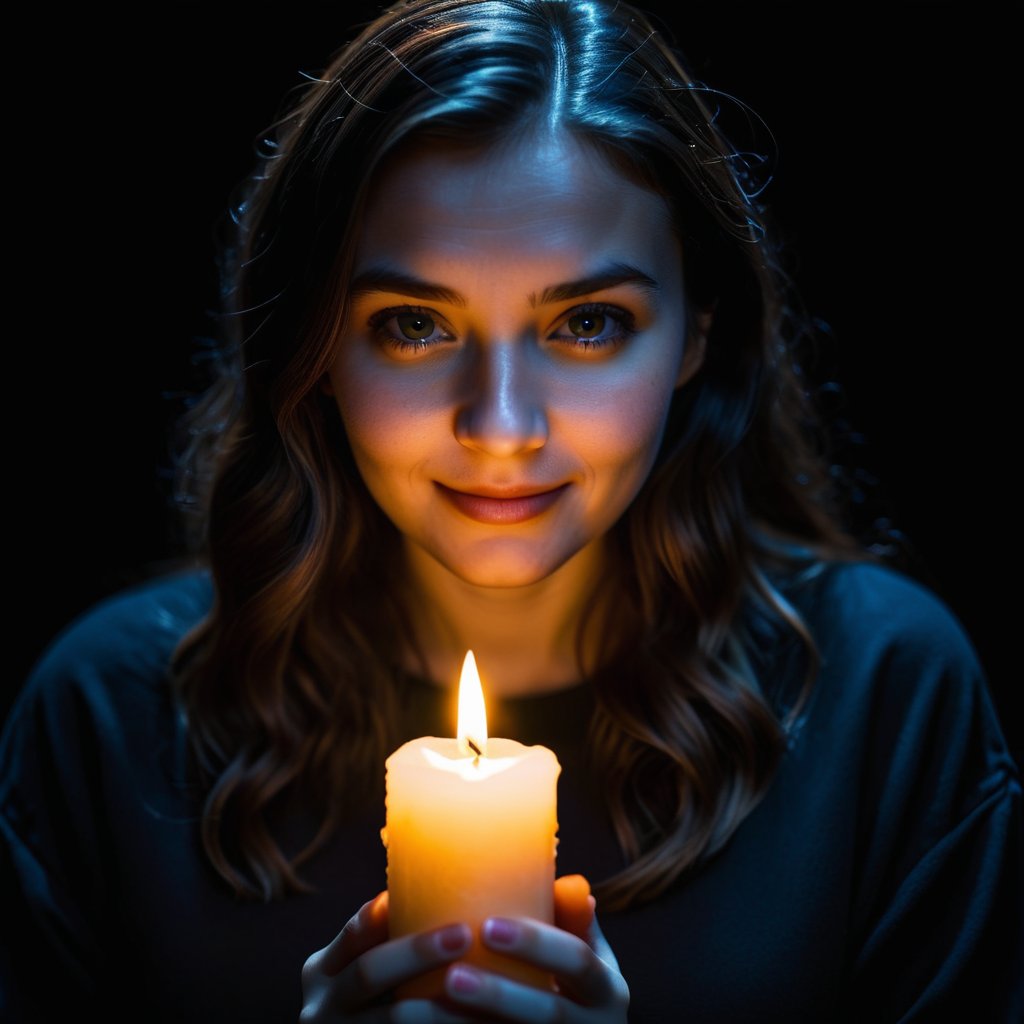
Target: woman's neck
point(524, 638)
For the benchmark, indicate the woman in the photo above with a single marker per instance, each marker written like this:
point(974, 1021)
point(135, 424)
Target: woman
point(509, 367)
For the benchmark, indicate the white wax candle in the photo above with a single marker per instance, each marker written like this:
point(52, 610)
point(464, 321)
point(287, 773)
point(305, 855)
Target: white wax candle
point(470, 836)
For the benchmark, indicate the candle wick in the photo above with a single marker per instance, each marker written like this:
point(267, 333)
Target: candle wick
point(476, 750)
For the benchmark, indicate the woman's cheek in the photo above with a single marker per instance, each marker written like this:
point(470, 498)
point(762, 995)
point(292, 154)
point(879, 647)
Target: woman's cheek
point(384, 414)
point(623, 420)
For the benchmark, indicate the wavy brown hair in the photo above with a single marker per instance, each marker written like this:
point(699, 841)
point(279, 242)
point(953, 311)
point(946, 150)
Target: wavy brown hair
point(283, 688)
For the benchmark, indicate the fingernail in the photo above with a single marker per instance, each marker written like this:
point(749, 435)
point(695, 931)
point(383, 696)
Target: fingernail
point(500, 932)
point(453, 939)
point(464, 980)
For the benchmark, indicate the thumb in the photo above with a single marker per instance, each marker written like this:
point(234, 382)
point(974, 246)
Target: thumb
point(574, 906)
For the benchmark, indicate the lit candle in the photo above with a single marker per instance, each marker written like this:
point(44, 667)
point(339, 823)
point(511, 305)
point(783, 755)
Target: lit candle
point(470, 833)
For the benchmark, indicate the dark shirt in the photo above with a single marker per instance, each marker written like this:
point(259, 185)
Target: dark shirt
point(878, 880)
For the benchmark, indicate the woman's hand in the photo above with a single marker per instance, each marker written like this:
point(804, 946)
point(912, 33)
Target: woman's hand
point(353, 978)
point(590, 987)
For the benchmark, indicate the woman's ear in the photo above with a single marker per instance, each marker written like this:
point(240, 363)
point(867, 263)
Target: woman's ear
point(696, 346)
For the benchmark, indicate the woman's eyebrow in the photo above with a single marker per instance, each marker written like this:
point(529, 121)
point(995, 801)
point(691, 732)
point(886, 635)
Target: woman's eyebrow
point(384, 279)
point(605, 277)
point(381, 278)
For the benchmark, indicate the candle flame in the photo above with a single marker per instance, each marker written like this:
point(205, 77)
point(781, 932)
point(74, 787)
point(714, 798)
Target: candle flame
point(472, 712)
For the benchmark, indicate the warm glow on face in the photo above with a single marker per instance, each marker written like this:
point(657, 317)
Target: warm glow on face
point(491, 396)
point(472, 713)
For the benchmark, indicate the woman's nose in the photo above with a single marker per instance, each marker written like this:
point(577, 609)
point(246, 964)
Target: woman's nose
point(503, 413)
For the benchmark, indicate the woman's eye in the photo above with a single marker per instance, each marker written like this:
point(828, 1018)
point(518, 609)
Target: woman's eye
point(586, 325)
point(596, 327)
point(415, 326)
point(408, 330)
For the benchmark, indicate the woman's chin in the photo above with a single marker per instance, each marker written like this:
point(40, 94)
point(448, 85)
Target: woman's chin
point(504, 564)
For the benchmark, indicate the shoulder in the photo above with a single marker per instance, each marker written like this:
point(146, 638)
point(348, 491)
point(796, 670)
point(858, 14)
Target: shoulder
point(900, 688)
point(94, 732)
point(880, 639)
point(901, 752)
point(134, 628)
point(114, 654)
point(869, 611)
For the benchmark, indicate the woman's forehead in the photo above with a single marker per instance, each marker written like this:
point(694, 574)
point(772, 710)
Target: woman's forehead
point(543, 199)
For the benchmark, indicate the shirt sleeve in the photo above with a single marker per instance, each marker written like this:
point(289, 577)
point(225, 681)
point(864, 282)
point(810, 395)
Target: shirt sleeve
point(949, 939)
point(938, 921)
point(51, 939)
point(65, 770)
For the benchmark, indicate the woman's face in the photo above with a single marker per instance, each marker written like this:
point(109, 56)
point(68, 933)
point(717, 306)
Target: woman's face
point(516, 329)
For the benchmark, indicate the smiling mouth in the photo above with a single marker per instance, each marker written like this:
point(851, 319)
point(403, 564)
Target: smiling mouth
point(515, 507)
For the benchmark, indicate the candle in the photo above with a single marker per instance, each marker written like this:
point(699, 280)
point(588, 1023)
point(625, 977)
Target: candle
point(470, 834)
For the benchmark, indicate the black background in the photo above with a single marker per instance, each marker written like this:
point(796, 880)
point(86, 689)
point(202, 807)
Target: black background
point(891, 180)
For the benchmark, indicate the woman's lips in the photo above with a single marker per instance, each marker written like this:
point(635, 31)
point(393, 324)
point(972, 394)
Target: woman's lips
point(503, 510)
